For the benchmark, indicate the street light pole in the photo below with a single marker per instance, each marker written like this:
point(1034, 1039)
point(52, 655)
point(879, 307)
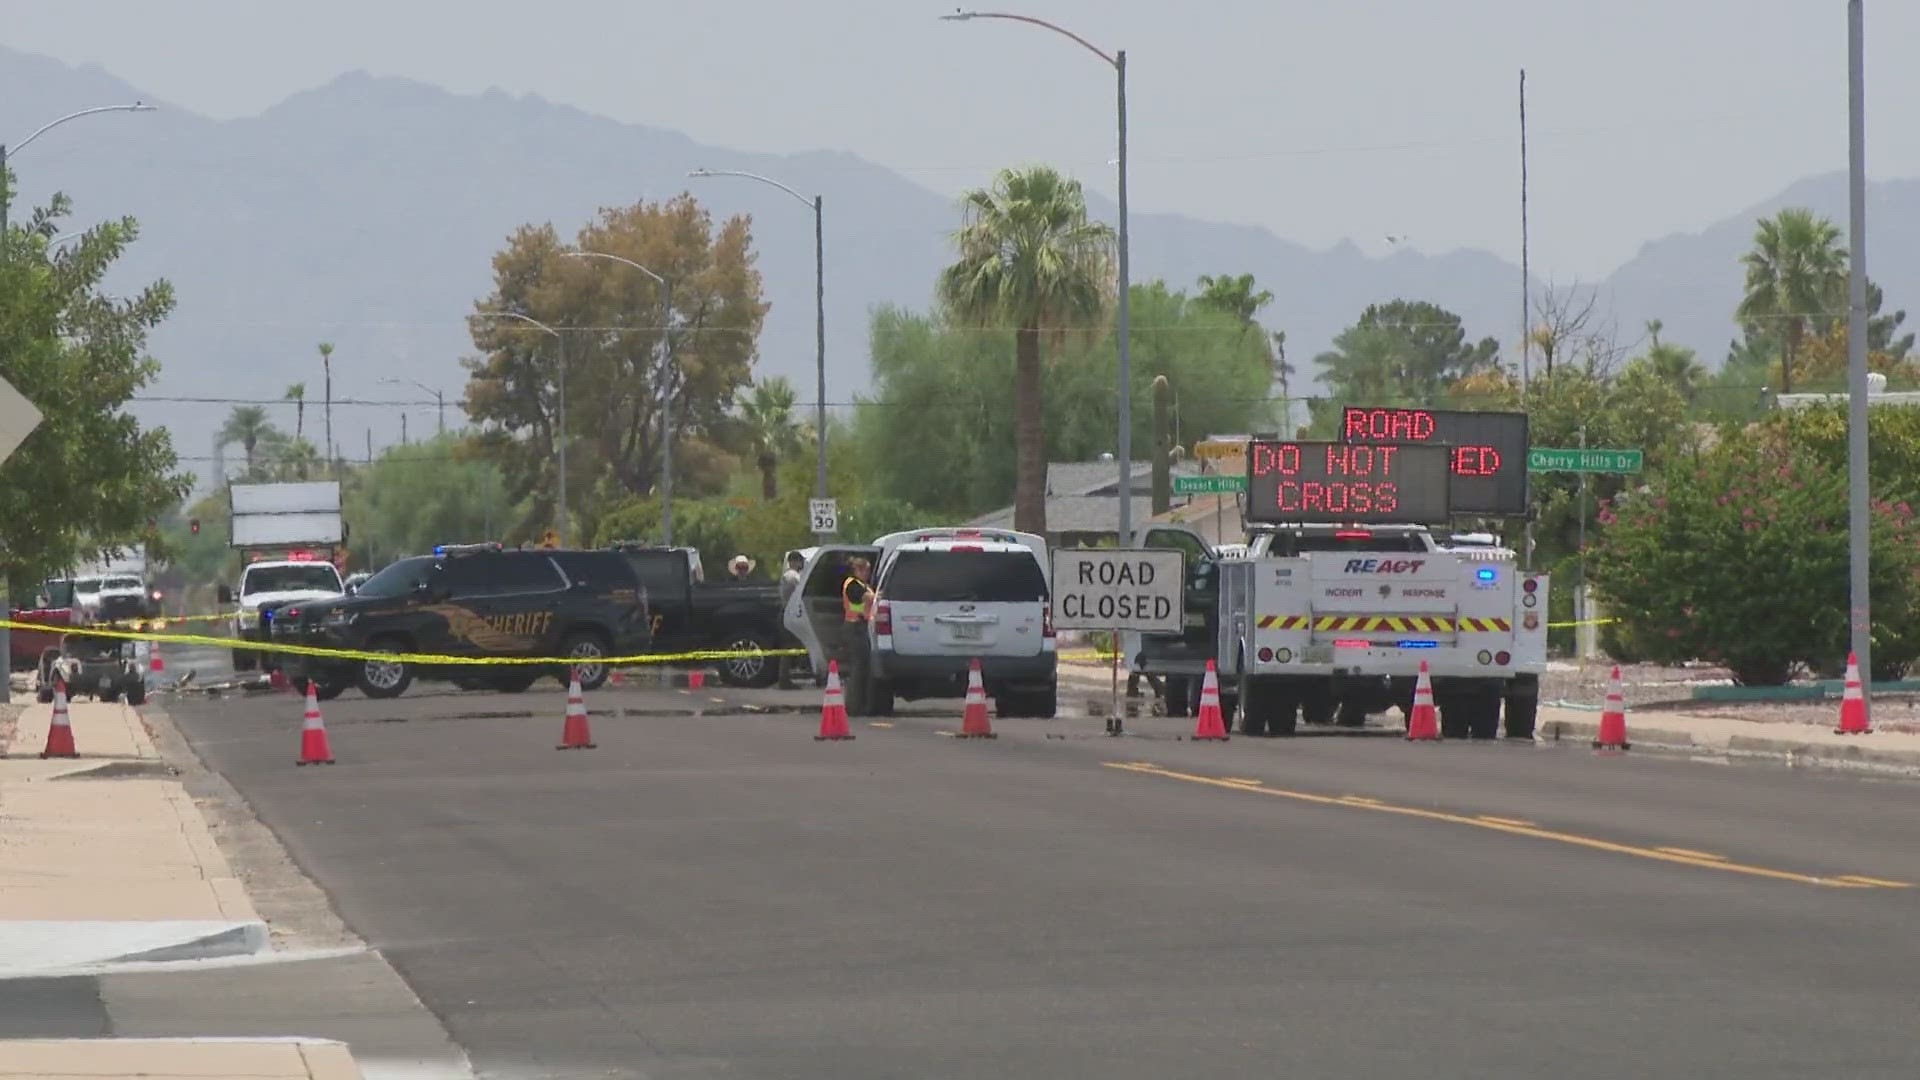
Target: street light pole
point(819, 316)
point(439, 399)
point(666, 386)
point(1858, 523)
point(1118, 61)
point(560, 421)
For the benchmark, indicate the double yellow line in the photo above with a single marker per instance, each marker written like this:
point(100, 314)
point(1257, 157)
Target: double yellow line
point(1515, 827)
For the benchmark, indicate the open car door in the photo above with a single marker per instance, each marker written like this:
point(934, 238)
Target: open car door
point(813, 613)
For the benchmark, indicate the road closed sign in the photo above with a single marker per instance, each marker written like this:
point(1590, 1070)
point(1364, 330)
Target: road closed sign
point(1118, 589)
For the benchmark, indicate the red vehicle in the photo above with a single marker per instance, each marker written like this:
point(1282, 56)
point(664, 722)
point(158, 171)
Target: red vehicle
point(53, 608)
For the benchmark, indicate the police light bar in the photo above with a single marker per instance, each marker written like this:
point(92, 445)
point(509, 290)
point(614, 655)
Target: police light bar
point(1415, 644)
point(1353, 534)
point(300, 556)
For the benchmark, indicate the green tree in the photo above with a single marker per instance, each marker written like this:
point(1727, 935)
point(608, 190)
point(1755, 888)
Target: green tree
point(1402, 352)
point(89, 477)
point(297, 393)
point(767, 415)
point(247, 425)
point(938, 432)
point(613, 320)
point(1796, 277)
point(1234, 295)
point(1739, 556)
point(421, 494)
point(1030, 260)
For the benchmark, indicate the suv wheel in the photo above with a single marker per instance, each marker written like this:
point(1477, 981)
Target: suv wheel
point(588, 651)
point(755, 670)
point(383, 678)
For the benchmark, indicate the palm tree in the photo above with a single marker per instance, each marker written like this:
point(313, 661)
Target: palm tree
point(297, 393)
point(248, 426)
point(768, 415)
point(1233, 295)
point(1031, 260)
point(297, 459)
point(1796, 275)
point(326, 364)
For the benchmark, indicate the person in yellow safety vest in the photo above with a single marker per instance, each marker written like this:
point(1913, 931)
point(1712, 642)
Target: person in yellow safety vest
point(856, 594)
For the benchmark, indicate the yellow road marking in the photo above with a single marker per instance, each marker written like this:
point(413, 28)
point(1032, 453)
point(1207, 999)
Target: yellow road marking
point(1520, 822)
point(1691, 854)
point(1242, 780)
point(879, 723)
point(1573, 839)
point(1884, 884)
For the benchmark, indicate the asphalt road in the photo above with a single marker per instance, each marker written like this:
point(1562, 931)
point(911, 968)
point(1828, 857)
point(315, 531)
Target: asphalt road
point(713, 893)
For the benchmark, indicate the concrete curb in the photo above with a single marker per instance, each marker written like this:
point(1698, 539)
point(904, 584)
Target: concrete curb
point(35, 947)
point(1859, 756)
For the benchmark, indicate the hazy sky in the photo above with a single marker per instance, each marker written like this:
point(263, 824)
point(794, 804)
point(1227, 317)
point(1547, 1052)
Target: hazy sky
point(1324, 120)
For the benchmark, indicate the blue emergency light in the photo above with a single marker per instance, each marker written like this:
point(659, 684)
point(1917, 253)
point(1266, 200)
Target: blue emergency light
point(1412, 644)
point(439, 549)
point(1486, 573)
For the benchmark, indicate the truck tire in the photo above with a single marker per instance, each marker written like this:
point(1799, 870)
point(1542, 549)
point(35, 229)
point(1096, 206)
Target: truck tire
point(1317, 704)
point(1352, 715)
point(1483, 715)
point(1175, 696)
point(589, 651)
point(1255, 703)
point(879, 698)
point(382, 679)
point(751, 672)
point(1522, 712)
point(1454, 708)
point(137, 693)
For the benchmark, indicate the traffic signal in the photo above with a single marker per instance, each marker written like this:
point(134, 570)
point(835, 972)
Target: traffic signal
point(193, 526)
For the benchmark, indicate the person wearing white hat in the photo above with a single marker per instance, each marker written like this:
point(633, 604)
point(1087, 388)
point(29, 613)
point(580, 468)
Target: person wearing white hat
point(740, 566)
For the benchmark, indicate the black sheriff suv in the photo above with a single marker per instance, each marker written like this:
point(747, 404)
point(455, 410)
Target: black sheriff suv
point(479, 600)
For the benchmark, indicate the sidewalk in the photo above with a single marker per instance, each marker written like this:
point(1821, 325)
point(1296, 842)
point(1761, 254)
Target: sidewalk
point(105, 862)
point(1796, 744)
point(238, 1059)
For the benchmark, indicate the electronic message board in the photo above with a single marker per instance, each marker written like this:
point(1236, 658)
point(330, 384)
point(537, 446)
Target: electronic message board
point(1357, 483)
point(1489, 451)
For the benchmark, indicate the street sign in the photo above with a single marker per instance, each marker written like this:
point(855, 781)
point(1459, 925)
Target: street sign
point(1487, 449)
point(825, 515)
point(1586, 461)
point(1135, 589)
point(1208, 485)
point(18, 418)
point(1348, 483)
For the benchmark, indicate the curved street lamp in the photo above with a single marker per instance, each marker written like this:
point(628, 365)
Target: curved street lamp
point(6, 194)
point(666, 383)
point(819, 318)
point(560, 342)
point(439, 399)
point(1118, 61)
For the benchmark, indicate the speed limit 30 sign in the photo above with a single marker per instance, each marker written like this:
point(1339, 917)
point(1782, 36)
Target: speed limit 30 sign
point(824, 514)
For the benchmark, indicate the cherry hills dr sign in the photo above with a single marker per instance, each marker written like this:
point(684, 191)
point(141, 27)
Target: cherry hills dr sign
point(1118, 589)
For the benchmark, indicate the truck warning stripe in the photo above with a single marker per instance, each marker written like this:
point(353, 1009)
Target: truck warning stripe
point(1398, 623)
point(1485, 625)
point(1283, 622)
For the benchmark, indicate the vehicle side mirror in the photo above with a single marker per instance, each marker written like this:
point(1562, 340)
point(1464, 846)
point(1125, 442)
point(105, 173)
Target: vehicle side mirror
point(224, 594)
point(351, 589)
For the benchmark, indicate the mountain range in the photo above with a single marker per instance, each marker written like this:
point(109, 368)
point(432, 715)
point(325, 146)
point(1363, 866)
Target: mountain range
point(365, 213)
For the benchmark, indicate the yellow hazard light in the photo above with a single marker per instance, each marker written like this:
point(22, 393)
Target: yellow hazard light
point(1484, 657)
point(1283, 655)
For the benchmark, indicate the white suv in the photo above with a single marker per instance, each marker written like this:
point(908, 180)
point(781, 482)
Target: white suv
point(946, 598)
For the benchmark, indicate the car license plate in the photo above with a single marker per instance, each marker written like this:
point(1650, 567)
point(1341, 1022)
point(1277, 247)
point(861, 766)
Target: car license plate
point(1320, 653)
point(966, 631)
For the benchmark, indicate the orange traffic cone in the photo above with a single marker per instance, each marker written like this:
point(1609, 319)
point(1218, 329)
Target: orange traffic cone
point(1853, 702)
point(1212, 726)
point(60, 731)
point(973, 722)
point(1423, 724)
point(696, 679)
point(574, 734)
point(155, 665)
point(833, 710)
point(278, 681)
point(313, 734)
point(1613, 718)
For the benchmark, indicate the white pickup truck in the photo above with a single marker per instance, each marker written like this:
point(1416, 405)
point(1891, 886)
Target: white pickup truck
point(267, 584)
point(1334, 621)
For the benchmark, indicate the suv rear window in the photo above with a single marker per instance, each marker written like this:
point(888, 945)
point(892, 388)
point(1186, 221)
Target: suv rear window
point(989, 577)
point(319, 577)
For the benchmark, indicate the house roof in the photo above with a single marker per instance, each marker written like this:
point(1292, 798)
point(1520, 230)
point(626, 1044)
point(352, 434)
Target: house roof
point(1082, 496)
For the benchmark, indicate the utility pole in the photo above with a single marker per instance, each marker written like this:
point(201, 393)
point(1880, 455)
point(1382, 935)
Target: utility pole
point(403, 429)
point(1858, 524)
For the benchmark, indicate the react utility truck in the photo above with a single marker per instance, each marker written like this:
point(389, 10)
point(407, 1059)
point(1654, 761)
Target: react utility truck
point(1344, 591)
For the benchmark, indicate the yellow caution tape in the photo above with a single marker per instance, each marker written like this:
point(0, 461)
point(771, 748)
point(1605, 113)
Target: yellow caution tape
point(434, 659)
